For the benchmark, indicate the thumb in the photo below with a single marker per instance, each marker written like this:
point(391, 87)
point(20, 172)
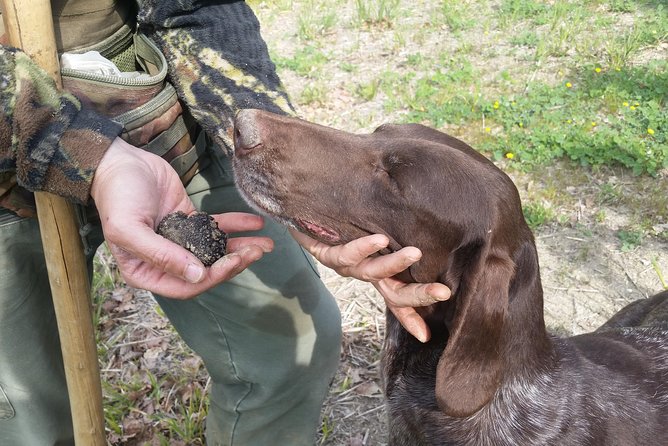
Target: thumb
point(162, 254)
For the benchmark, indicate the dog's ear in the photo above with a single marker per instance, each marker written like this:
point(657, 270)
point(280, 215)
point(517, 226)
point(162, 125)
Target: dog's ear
point(471, 366)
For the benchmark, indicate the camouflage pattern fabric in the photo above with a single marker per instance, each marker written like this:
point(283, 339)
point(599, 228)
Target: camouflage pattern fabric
point(217, 60)
point(152, 116)
point(47, 140)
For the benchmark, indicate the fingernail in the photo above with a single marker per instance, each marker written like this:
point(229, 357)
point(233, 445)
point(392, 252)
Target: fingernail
point(226, 259)
point(440, 296)
point(414, 254)
point(419, 333)
point(194, 273)
point(381, 242)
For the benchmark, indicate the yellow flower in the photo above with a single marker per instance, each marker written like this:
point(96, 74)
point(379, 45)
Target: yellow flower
point(593, 124)
point(521, 124)
point(650, 131)
point(632, 107)
point(597, 69)
point(568, 85)
point(487, 129)
point(570, 121)
point(510, 155)
point(496, 104)
point(625, 104)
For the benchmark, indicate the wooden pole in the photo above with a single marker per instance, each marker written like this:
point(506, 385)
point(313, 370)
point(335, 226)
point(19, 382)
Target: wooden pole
point(29, 26)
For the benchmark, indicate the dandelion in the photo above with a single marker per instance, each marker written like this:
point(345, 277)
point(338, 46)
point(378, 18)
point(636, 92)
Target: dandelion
point(593, 124)
point(650, 131)
point(510, 155)
point(487, 129)
point(597, 69)
point(496, 104)
point(632, 107)
point(625, 104)
point(568, 85)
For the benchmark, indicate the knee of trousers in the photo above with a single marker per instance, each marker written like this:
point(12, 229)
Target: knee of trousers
point(270, 340)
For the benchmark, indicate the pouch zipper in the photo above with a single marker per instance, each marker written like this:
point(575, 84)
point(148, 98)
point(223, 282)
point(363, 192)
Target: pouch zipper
point(165, 95)
point(120, 81)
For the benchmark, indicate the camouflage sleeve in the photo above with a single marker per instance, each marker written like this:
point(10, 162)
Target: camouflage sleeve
point(46, 139)
point(217, 60)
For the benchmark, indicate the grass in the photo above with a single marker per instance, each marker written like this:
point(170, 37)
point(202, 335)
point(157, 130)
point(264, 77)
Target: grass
point(537, 214)
point(630, 239)
point(377, 12)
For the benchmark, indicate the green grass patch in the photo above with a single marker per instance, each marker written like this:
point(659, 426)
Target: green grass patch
point(377, 12)
point(595, 117)
point(630, 239)
point(307, 61)
point(537, 214)
point(457, 15)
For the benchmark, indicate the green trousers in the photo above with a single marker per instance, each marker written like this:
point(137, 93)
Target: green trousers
point(270, 337)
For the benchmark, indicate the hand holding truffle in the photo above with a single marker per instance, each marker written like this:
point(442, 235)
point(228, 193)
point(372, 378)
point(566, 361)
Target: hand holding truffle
point(133, 191)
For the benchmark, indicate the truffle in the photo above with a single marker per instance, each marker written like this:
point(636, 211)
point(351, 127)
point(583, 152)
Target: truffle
point(198, 233)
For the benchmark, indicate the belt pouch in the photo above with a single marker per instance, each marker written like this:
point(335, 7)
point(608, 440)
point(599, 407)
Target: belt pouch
point(147, 106)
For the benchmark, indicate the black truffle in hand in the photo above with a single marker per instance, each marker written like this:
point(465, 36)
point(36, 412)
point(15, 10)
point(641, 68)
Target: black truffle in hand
point(198, 233)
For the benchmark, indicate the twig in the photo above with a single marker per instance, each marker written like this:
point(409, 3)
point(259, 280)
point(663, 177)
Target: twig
point(655, 265)
point(141, 341)
point(375, 409)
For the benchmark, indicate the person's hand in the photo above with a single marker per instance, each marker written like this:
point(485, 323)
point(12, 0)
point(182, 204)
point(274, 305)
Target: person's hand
point(133, 190)
point(354, 260)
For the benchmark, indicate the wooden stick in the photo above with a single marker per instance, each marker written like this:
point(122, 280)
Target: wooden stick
point(29, 26)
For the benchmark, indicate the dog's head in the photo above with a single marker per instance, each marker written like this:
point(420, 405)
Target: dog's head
point(421, 188)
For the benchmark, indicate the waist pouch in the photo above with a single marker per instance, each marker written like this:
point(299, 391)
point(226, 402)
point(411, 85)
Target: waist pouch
point(152, 116)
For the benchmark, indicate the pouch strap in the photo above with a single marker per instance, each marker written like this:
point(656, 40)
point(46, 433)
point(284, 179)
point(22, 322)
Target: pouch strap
point(184, 163)
point(164, 142)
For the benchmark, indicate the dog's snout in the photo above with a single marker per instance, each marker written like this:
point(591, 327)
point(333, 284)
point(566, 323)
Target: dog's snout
point(246, 132)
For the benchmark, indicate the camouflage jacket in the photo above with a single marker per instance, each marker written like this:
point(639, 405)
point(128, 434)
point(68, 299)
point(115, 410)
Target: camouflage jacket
point(217, 61)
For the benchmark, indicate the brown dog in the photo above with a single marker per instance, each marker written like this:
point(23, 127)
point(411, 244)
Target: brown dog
point(491, 374)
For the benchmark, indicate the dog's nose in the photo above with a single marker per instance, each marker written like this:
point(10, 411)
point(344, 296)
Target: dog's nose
point(246, 132)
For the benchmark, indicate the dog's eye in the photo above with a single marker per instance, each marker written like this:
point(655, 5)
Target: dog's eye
point(378, 169)
point(386, 177)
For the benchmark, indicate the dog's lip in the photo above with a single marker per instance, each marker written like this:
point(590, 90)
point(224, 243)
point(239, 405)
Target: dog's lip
point(321, 232)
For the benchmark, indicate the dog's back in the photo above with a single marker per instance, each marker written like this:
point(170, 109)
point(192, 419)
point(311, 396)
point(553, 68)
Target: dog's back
point(651, 312)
